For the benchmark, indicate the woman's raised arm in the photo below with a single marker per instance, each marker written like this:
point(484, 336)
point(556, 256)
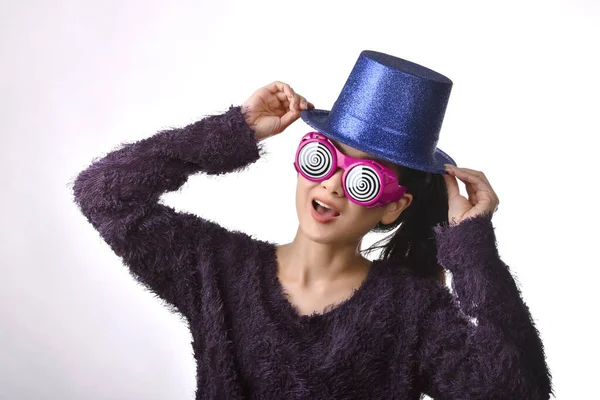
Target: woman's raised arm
point(119, 195)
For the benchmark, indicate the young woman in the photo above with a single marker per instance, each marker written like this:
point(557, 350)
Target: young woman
point(314, 318)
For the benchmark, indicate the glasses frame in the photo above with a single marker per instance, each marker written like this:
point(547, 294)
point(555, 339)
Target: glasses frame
point(390, 190)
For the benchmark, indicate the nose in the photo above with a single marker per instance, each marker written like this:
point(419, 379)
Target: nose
point(334, 183)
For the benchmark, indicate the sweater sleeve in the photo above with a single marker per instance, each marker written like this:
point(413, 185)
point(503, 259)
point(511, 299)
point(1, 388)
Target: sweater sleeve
point(119, 195)
point(480, 343)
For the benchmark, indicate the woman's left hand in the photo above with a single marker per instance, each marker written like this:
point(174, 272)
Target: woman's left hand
point(482, 198)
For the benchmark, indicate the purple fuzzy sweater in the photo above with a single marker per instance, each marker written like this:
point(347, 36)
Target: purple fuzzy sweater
point(397, 337)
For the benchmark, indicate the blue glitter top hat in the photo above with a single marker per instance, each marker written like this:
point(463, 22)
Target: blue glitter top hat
point(390, 108)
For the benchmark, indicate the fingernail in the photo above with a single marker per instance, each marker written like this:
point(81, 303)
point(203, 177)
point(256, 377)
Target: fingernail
point(305, 103)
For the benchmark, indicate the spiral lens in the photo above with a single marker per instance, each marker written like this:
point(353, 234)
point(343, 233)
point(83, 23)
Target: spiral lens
point(362, 183)
point(315, 160)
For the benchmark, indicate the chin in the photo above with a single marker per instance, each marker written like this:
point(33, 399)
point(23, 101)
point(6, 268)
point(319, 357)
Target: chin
point(320, 236)
point(319, 232)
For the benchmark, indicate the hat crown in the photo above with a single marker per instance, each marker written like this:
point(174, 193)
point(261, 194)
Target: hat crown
point(392, 108)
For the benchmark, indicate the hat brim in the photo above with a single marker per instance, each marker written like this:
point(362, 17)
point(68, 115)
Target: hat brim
point(318, 120)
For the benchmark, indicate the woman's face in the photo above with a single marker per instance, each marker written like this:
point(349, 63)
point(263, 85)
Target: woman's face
point(354, 221)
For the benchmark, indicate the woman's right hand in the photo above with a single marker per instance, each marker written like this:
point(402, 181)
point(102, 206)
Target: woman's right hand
point(273, 108)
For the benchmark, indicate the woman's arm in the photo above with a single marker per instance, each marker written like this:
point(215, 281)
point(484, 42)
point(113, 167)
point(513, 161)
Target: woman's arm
point(500, 355)
point(119, 194)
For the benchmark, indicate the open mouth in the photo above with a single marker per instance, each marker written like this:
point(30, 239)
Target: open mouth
point(328, 212)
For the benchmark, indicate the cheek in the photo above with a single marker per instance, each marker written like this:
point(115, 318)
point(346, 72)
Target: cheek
point(303, 187)
point(362, 218)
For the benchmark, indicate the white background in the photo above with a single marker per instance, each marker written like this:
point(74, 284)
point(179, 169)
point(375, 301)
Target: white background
point(79, 77)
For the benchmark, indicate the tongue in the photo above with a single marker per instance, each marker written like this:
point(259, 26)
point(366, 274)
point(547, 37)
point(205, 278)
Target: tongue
point(326, 211)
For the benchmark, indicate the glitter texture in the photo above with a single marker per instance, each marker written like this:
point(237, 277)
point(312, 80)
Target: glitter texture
point(390, 108)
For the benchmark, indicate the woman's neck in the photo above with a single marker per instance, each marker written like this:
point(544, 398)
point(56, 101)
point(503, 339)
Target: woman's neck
point(308, 262)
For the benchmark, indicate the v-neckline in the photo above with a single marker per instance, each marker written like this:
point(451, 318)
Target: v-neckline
point(282, 305)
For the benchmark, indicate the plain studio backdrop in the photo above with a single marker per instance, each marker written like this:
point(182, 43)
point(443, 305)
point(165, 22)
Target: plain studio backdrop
point(80, 77)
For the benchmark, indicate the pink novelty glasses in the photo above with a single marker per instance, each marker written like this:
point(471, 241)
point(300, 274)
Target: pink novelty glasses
point(365, 182)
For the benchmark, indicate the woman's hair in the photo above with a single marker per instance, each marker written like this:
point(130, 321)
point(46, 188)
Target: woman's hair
point(413, 244)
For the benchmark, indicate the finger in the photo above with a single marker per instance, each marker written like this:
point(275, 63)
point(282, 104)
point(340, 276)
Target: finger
point(278, 86)
point(288, 118)
point(477, 186)
point(282, 101)
point(472, 194)
point(281, 96)
point(451, 186)
point(293, 100)
point(477, 181)
point(474, 172)
point(303, 103)
point(297, 103)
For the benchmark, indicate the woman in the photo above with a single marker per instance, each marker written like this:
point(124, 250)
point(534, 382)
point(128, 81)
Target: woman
point(314, 318)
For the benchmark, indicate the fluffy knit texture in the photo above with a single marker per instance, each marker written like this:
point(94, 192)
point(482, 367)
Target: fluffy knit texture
point(397, 337)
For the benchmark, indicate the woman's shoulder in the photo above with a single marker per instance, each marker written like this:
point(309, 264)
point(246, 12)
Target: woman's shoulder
point(399, 273)
point(411, 289)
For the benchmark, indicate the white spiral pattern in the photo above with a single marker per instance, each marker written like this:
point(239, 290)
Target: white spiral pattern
point(315, 160)
point(362, 183)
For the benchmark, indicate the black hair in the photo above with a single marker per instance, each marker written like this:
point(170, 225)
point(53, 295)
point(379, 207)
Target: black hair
point(413, 244)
